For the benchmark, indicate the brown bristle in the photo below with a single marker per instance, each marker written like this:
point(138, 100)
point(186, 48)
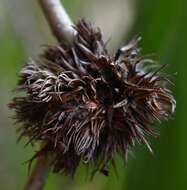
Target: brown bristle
point(86, 105)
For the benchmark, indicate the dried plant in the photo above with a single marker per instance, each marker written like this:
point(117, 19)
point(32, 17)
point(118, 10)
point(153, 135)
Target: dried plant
point(86, 105)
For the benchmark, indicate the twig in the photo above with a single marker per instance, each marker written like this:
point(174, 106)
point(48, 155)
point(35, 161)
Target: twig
point(61, 27)
point(39, 174)
point(58, 20)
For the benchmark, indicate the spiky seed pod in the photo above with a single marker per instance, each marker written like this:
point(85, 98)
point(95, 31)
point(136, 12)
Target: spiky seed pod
point(84, 104)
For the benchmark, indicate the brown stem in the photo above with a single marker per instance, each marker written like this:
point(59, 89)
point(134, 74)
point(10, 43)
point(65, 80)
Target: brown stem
point(58, 20)
point(62, 29)
point(39, 174)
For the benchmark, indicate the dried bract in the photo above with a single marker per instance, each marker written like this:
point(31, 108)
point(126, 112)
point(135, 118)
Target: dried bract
point(85, 104)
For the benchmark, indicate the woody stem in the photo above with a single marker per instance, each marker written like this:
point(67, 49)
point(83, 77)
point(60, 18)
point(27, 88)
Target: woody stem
point(58, 20)
point(62, 28)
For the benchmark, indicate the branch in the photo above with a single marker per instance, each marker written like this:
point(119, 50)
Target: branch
point(39, 174)
point(63, 30)
point(58, 20)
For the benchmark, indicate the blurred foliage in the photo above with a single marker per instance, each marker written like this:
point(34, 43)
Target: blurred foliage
point(162, 24)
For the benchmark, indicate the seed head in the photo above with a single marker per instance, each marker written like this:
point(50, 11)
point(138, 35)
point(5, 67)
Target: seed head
point(86, 105)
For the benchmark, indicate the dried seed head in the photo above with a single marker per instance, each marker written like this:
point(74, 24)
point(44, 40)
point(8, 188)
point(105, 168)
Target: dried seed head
point(87, 105)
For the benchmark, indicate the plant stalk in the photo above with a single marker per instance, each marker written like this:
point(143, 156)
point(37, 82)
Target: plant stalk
point(62, 28)
point(59, 21)
point(37, 179)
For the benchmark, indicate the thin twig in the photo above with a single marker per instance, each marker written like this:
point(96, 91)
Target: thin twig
point(61, 27)
point(39, 174)
point(58, 20)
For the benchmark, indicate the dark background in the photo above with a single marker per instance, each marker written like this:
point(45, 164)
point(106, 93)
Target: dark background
point(163, 26)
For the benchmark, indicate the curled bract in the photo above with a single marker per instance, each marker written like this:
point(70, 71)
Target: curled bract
point(85, 104)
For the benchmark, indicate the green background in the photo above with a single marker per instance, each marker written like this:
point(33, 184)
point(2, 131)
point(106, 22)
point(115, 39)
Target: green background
point(163, 26)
